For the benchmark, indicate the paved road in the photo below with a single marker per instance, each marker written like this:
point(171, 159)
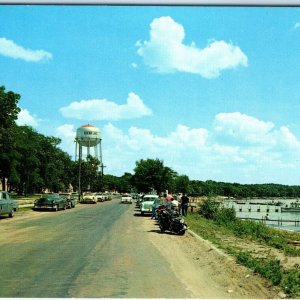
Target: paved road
point(90, 251)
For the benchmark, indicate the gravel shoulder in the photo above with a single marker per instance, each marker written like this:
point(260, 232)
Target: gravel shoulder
point(205, 270)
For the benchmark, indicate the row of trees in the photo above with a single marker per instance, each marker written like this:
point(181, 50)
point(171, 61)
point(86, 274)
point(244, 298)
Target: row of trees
point(31, 162)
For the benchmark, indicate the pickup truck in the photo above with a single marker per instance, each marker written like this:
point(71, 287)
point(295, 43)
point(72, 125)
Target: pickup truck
point(8, 206)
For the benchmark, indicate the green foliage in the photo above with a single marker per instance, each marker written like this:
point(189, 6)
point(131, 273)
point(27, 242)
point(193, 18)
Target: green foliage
point(214, 210)
point(9, 114)
point(269, 268)
point(9, 108)
point(291, 282)
point(204, 188)
point(182, 184)
point(264, 234)
point(209, 209)
point(225, 215)
point(151, 174)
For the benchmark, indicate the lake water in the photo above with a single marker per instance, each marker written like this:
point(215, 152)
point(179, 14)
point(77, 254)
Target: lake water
point(258, 209)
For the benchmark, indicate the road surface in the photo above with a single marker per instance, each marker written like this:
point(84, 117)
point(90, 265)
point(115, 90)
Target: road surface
point(107, 250)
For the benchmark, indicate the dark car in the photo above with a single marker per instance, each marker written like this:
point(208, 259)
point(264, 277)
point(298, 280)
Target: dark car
point(50, 201)
point(71, 202)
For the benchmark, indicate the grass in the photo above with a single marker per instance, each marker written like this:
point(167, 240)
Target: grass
point(241, 240)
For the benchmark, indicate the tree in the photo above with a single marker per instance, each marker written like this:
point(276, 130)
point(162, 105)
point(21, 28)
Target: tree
point(90, 174)
point(182, 184)
point(39, 163)
point(151, 174)
point(9, 114)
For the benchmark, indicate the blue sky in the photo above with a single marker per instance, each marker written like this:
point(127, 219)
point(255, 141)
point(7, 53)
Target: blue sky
point(211, 91)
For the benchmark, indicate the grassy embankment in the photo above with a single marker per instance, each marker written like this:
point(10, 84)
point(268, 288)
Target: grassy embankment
point(273, 253)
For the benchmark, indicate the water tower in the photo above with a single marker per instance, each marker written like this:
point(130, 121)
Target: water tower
point(88, 136)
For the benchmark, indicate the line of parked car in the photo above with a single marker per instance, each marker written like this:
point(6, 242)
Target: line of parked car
point(55, 201)
point(143, 202)
point(51, 201)
point(89, 197)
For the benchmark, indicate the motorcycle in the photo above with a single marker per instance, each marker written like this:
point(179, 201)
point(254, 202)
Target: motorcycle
point(170, 220)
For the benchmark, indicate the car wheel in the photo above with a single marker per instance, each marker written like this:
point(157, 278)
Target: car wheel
point(11, 214)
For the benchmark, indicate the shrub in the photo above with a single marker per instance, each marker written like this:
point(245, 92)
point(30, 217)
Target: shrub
point(225, 215)
point(208, 209)
point(269, 268)
point(291, 282)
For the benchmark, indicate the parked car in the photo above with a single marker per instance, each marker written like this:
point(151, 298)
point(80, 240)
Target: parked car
point(125, 198)
point(108, 196)
point(146, 203)
point(50, 201)
point(71, 202)
point(89, 197)
point(8, 206)
point(100, 197)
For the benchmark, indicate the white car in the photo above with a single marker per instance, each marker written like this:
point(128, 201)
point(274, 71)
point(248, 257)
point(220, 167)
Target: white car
point(147, 203)
point(125, 198)
point(89, 197)
point(100, 197)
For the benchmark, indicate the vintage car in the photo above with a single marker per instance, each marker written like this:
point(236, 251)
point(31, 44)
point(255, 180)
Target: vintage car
point(89, 197)
point(100, 197)
point(126, 198)
point(8, 206)
point(71, 202)
point(146, 203)
point(50, 201)
point(108, 196)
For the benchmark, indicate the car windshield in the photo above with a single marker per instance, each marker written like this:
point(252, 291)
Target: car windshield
point(149, 198)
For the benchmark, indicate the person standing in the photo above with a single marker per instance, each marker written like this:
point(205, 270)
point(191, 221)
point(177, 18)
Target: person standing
point(156, 203)
point(184, 204)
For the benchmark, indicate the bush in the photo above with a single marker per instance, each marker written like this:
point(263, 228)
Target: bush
point(291, 282)
point(225, 215)
point(208, 209)
point(269, 268)
point(213, 210)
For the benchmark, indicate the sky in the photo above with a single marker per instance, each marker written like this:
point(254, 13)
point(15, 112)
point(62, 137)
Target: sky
point(213, 92)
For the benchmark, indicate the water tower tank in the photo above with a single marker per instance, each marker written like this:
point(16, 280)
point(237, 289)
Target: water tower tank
point(88, 135)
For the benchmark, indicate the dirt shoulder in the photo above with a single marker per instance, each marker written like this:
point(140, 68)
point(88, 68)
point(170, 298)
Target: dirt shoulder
point(206, 271)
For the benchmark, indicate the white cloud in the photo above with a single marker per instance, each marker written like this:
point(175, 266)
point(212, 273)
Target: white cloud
point(25, 118)
point(248, 129)
point(202, 153)
point(66, 130)
point(102, 109)
point(134, 65)
point(11, 49)
point(67, 133)
point(243, 127)
point(297, 25)
point(166, 52)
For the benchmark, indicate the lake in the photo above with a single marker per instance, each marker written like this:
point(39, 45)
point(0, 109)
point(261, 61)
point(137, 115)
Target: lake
point(258, 209)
